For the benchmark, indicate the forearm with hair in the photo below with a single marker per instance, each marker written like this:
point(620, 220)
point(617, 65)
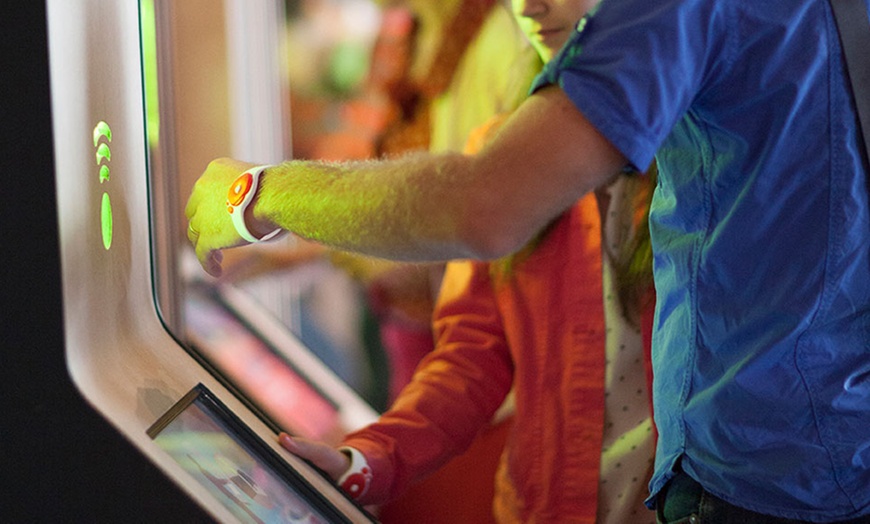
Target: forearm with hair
point(409, 208)
point(441, 207)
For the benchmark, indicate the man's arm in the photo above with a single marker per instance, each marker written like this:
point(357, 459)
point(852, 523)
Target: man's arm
point(422, 207)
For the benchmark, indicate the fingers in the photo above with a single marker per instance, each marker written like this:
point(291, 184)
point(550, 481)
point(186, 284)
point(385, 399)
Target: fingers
point(192, 234)
point(324, 456)
point(209, 227)
point(213, 263)
point(209, 259)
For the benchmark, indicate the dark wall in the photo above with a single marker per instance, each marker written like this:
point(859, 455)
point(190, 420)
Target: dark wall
point(59, 460)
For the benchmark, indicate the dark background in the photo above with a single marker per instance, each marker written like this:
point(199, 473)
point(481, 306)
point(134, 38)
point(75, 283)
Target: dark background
point(59, 460)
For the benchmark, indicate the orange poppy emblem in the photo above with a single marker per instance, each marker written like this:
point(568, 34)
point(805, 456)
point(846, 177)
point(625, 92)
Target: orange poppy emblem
point(239, 190)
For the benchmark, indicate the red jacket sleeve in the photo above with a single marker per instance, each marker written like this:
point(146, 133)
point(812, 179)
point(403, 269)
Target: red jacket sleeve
point(454, 392)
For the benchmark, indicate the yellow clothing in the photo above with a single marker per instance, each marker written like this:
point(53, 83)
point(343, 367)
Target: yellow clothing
point(493, 77)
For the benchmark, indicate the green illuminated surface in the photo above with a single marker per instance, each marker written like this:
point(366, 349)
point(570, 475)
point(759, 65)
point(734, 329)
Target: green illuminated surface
point(103, 153)
point(149, 71)
point(106, 219)
point(102, 137)
point(102, 129)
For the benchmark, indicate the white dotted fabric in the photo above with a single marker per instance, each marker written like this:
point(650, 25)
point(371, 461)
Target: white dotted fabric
point(628, 446)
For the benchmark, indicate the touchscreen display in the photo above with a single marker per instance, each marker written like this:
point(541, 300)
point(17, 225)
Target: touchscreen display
point(230, 461)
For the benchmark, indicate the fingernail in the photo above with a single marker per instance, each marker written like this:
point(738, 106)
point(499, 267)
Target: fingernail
point(285, 440)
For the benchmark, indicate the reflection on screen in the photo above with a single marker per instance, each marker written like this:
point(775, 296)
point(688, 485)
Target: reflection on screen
point(204, 445)
point(265, 377)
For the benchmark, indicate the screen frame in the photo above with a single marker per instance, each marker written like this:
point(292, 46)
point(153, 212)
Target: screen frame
point(242, 435)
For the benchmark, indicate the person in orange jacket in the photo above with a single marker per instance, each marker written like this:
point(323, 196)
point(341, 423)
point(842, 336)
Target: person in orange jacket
point(565, 326)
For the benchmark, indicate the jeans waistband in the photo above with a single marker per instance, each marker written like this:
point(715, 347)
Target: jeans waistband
point(684, 501)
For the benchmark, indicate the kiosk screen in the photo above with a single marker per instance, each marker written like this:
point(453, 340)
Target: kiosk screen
point(244, 474)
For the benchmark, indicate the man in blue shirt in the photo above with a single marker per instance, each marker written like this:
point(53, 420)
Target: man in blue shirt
point(760, 229)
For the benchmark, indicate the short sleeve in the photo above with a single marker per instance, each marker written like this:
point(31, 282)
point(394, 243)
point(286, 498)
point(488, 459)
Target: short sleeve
point(633, 68)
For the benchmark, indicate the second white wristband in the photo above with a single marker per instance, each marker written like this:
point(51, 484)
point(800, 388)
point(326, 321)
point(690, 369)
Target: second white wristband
point(356, 480)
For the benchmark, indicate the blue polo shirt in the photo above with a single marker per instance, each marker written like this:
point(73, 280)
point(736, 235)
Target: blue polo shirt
point(761, 234)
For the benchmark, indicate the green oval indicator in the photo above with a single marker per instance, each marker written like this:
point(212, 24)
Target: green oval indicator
point(106, 219)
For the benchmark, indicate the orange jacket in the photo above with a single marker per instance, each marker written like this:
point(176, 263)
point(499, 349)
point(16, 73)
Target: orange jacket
point(541, 331)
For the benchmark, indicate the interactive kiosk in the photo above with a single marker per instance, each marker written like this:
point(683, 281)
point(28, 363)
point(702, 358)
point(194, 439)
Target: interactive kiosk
point(149, 348)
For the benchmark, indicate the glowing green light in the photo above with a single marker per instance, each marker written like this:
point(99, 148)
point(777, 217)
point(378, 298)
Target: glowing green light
point(102, 129)
point(106, 219)
point(102, 136)
point(103, 153)
point(149, 70)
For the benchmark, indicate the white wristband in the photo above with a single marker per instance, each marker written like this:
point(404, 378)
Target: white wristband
point(356, 480)
point(239, 197)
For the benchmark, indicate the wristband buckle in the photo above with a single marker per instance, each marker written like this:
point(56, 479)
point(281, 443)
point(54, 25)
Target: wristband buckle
point(358, 477)
point(239, 197)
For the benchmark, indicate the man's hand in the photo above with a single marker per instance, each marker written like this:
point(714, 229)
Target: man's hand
point(333, 462)
point(210, 228)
